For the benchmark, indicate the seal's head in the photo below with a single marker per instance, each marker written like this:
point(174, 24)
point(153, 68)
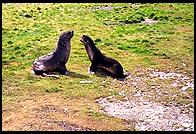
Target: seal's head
point(66, 35)
point(86, 40)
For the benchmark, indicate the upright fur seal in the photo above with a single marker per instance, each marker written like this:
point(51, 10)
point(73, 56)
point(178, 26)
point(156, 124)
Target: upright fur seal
point(100, 61)
point(55, 61)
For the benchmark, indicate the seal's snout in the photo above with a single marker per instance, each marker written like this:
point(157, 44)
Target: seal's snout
point(72, 32)
point(84, 36)
point(81, 39)
point(85, 39)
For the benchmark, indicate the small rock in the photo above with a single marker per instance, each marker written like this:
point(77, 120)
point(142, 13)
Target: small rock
point(186, 125)
point(149, 21)
point(184, 88)
point(178, 75)
point(27, 15)
point(142, 128)
point(104, 81)
point(146, 102)
point(179, 129)
point(174, 84)
point(137, 94)
point(184, 64)
point(86, 81)
point(137, 78)
point(150, 69)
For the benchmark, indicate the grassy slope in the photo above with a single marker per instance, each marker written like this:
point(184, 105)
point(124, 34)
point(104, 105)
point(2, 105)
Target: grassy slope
point(31, 30)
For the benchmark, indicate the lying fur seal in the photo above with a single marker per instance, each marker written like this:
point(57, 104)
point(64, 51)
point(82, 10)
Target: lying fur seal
point(100, 61)
point(55, 61)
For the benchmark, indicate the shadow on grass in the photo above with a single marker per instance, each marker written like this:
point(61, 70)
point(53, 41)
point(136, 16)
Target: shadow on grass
point(104, 74)
point(76, 75)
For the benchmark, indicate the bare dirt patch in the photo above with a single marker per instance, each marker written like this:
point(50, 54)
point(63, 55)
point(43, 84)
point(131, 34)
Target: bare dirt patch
point(53, 112)
point(46, 112)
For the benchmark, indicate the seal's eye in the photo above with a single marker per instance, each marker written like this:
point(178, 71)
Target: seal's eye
point(86, 40)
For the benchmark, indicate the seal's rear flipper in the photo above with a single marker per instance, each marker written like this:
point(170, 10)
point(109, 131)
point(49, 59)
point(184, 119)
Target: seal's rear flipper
point(44, 74)
point(127, 74)
point(124, 76)
point(32, 72)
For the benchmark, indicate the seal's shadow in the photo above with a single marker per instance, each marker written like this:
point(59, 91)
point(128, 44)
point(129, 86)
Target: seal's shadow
point(104, 74)
point(101, 73)
point(76, 75)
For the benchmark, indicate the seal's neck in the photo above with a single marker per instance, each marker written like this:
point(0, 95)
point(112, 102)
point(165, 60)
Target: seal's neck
point(92, 51)
point(61, 48)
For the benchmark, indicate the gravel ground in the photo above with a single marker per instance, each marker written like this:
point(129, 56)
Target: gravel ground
point(148, 115)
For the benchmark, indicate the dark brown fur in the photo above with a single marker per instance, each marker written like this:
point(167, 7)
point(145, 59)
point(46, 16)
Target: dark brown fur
point(55, 61)
point(100, 61)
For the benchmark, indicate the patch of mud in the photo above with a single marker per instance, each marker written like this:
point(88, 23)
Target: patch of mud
point(40, 113)
point(148, 115)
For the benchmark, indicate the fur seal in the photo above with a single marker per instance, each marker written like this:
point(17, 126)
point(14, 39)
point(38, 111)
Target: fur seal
point(56, 60)
point(100, 61)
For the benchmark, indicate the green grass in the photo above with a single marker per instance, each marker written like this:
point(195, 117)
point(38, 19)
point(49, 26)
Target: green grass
point(32, 30)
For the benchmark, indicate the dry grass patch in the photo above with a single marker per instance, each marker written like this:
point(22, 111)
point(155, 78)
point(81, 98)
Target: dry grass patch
point(49, 111)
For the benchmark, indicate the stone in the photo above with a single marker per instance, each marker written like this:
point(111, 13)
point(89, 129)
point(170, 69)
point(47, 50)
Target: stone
point(186, 125)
